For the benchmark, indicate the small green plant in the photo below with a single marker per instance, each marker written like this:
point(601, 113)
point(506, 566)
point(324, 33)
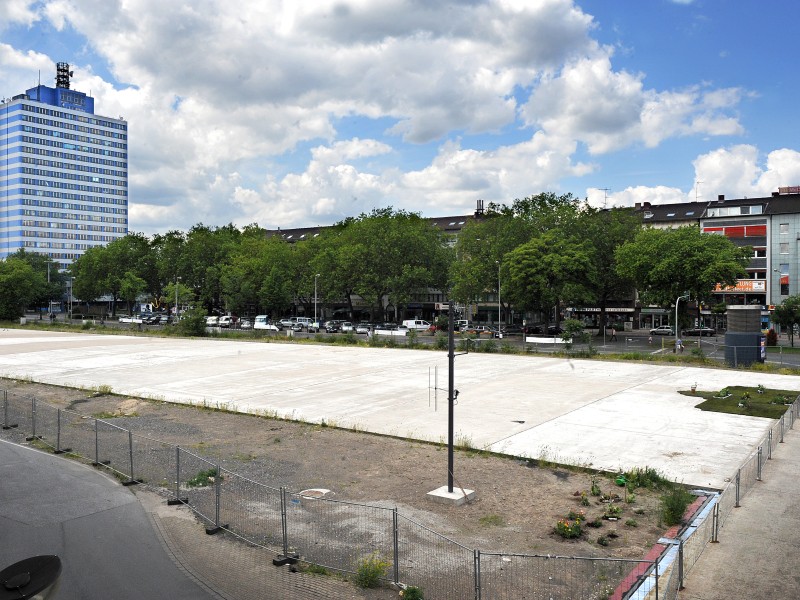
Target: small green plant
point(203, 478)
point(371, 570)
point(760, 389)
point(602, 541)
point(631, 523)
point(613, 511)
point(647, 477)
point(724, 393)
point(596, 523)
point(441, 342)
point(412, 592)
point(316, 569)
point(674, 504)
point(568, 529)
point(584, 499)
point(595, 488)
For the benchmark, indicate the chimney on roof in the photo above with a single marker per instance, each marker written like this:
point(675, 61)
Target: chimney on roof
point(637, 206)
point(479, 209)
point(721, 198)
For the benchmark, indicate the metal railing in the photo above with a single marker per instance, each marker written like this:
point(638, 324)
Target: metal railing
point(339, 535)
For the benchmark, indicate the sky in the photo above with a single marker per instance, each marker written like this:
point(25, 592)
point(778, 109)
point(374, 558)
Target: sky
point(297, 114)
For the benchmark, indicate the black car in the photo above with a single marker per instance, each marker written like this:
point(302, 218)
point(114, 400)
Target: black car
point(333, 326)
point(554, 330)
point(532, 329)
point(700, 331)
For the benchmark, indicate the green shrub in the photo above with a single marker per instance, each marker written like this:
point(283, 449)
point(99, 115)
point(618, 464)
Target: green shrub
point(203, 478)
point(412, 592)
point(193, 322)
point(371, 570)
point(489, 346)
point(674, 504)
point(441, 342)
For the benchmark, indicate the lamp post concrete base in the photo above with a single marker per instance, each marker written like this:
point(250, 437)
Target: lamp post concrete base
point(457, 497)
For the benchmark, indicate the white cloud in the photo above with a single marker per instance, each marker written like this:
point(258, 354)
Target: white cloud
point(18, 12)
point(217, 93)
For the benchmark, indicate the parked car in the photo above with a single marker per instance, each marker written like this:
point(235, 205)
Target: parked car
point(511, 330)
point(245, 324)
point(313, 327)
point(663, 330)
point(297, 327)
point(363, 328)
point(151, 319)
point(164, 319)
point(532, 329)
point(347, 327)
point(333, 326)
point(483, 330)
point(225, 321)
point(212, 321)
point(701, 331)
point(554, 330)
point(262, 322)
point(287, 321)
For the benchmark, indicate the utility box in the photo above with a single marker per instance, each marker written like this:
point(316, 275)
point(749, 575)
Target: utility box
point(745, 344)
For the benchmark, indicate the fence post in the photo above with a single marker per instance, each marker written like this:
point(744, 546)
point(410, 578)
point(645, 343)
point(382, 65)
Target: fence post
point(6, 424)
point(758, 471)
point(715, 522)
point(178, 499)
point(783, 427)
point(130, 481)
point(285, 558)
point(738, 486)
point(656, 563)
point(33, 435)
point(395, 547)
point(217, 494)
point(476, 569)
point(59, 449)
point(680, 564)
point(769, 444)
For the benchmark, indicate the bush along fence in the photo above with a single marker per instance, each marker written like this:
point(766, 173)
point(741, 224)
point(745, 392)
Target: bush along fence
point(345, 536)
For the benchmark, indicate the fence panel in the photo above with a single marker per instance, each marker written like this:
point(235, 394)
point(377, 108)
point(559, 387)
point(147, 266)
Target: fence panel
point(442, 568)
point(20, 407)
point(251, 510)
point(338, 534)
point(694, 545)
point(748, 475)
point(153, 462)
point(197, 484)
point(112, 447)
point(536, 577)
point(77, 433)
point(47, 424)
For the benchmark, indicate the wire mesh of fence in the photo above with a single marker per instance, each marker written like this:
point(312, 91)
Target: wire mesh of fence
point(537, 577)
point(440, 566)
point(251, 510)
point(340, 535)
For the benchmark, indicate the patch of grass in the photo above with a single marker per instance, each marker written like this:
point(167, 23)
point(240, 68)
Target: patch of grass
point(740, 400)
point(316, 569)
point(492, 520)
point(203, 478)
point(103, 390)
point(645, 477)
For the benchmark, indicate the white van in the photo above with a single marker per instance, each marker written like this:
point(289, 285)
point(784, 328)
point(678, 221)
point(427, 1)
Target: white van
point(261, 322)
point(417, 324)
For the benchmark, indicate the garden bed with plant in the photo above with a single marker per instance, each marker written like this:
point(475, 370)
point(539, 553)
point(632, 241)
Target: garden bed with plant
point(751, 401)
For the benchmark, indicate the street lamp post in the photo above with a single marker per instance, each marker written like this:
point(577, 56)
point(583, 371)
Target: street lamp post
point(316, 323)
point(497, 262)
point(677, 332)
point(177, 279)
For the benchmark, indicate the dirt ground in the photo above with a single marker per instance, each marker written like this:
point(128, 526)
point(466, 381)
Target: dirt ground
point(518, 501)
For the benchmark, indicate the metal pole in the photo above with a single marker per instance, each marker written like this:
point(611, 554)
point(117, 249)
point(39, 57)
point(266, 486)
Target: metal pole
point(476, 560)
point(715, 522)
point(782, 428)
point(96, 445)
point(396, 546)
point(284, 529)
point(769, 444)
point(738, 486)
point(315, 300)
point(451, 345)
point(33, 435)
point(6, 424)
point(130, 451)
point(58, 432)
point(758, 476)
point(498, 297)
point(680, 565)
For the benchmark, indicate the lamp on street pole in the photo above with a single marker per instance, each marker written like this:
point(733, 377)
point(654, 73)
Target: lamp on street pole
point(315, 300)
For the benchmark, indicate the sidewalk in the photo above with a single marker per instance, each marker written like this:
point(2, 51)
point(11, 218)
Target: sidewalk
point(758, 549)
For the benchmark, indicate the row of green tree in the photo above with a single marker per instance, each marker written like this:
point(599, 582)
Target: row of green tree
point(538, 253)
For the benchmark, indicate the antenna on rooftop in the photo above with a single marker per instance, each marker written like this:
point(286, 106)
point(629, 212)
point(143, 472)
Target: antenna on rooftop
point(62, 75)
point(605, 196)
point(696, 188)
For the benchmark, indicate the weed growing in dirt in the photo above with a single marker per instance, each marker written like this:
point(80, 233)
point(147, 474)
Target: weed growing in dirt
point(371, 570)
point(491, 520)
point(316, 569)
point(674, 504)
point(203, 478)
point(412, 592)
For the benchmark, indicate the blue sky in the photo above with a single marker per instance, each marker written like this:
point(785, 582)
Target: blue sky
point(298, 114)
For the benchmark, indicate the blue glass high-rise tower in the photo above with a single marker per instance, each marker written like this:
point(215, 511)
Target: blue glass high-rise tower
point(63, 173)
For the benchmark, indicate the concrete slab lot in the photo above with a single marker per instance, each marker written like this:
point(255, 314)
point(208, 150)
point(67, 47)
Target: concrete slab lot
point(608, 415)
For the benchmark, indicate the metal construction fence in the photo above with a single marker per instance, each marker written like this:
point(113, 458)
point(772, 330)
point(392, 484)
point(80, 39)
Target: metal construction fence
point(339, 535)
